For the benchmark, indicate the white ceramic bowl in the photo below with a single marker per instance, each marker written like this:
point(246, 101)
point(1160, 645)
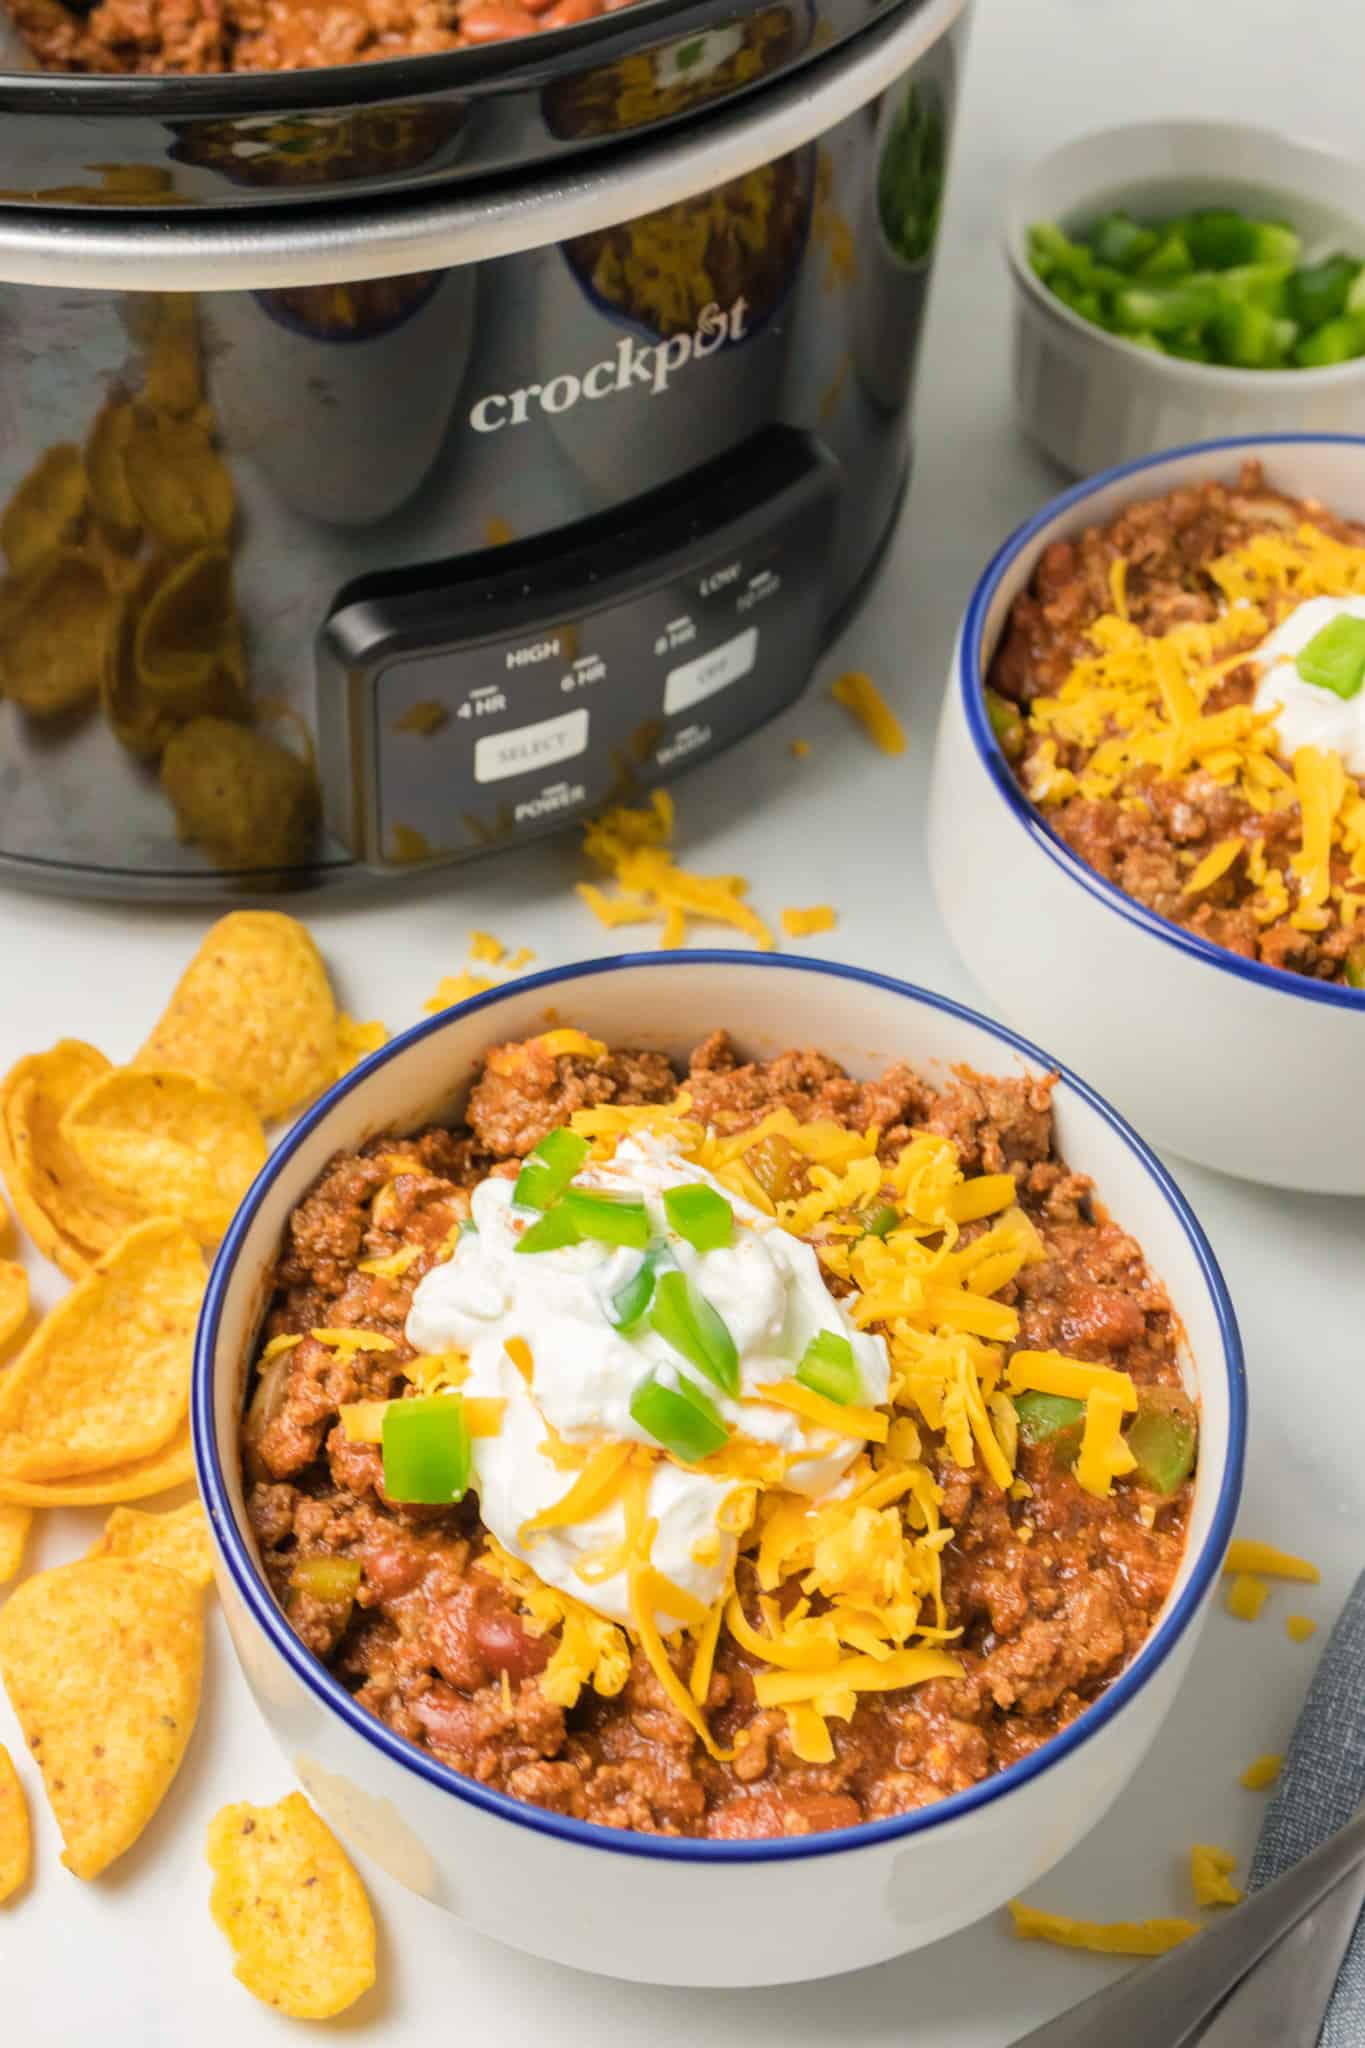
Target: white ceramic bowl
point(646, 1907)
point(1243, 1067)
point(1091, 400)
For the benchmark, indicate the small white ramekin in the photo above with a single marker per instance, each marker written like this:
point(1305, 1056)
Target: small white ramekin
point(1092, 401)
point(647, 1907)
point(1242, 1067)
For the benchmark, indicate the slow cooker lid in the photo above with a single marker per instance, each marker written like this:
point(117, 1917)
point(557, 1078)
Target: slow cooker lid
point(160, 144)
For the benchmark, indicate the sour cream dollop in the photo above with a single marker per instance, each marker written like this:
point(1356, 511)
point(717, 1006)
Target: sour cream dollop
point(1306, 714)
point(767, 1286)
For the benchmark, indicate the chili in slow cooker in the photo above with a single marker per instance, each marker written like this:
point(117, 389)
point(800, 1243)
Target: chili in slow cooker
point(1047, 1589)
point(188, 36)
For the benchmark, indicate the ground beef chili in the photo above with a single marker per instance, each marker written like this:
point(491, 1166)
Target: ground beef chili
point(162, 36)
point(1147, 849)
point(1054, 1589)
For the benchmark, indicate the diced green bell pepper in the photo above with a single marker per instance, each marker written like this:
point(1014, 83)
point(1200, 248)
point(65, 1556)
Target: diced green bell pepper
point(606, 1217)
point(685, 1319)
point(1219, 237)
point(1334, 658)
point(1355, 967)
point(426, 1450)
point(1171, 258)
point(1163, 1437)
point(549, 1169)
point(1043, 1415)
point(1007, 723)
point(683, 1420)
point(1165, 309)
point(701, 1215)
point(828, 1367)
point(550, 1232)
point(1336, 341)
point(1119, 241)
point(1319, 291)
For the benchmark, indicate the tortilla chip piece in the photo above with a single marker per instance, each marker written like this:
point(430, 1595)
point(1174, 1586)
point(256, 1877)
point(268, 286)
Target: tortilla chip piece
point(106, 472)
point(135, 1479)
point(137, 721)
point(172, 1143)
point(180, 484)
point(248, 802)
point(174, 381)
point(296, 1914)
point(187, 650)
point(70, 1218)
point(13, 1299)
point(178, 1539)
point(16, 1842)
point(253, 1011)
point(106, 1376)
point(46, 509)
point(15, 1524)
point(102, 1661)
point(58, 622)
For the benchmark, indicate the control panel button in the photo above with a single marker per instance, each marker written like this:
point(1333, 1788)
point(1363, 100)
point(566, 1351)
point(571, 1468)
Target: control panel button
point(699, 679)
point(529, 749)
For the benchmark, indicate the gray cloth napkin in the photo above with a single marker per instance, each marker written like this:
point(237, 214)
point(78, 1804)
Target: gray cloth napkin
point(1320, 1787)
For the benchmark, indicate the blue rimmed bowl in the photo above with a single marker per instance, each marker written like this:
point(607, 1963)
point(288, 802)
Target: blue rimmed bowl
point(1247, 1068)
point(648, 1907)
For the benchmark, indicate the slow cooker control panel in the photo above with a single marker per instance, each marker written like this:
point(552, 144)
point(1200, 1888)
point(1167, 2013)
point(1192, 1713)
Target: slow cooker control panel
point(493, 698)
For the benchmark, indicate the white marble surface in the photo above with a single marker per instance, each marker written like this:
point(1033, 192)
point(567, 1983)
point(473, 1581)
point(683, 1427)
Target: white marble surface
point(133, 1960)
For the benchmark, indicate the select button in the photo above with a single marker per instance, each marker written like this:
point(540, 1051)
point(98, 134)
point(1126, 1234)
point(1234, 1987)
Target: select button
point(530, 749)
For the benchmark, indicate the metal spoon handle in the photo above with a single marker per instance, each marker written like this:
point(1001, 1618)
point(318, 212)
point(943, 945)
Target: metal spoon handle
point(1165, 2003)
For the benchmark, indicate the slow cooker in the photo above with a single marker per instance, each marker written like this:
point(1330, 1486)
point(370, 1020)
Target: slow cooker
point(399, 460)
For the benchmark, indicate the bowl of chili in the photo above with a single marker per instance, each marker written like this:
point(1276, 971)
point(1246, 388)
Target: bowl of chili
point(1224, 1013)
point(1093, 398)
point(674, 1900)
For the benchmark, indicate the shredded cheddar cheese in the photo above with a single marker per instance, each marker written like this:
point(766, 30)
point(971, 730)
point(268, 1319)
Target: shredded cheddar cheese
point(354, 1340)
point(1103, 1454)
point(483, 946)
point(631, 846)
point(456, 988)
point(277, 1346)
point(1300, 1628)
point(1134, 705)
point(860, 696)
point(1210, 1874)
point(1108, 1938)
point(1264, 1559)
point(1261, 1773)
point(802, 924)
point(1247, 1595)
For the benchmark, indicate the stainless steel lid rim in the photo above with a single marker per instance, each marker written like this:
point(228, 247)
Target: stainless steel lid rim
point(183, 252)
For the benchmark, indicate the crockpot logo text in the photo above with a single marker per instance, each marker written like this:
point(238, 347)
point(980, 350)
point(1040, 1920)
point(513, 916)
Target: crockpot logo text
point(631, 367)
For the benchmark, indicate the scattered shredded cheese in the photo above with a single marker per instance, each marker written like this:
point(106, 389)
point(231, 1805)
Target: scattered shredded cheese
point(859, 695)
point(1270, 1563)
point(1111, 1938)
point(483, 946)
point(1210, 1872)
point(1247, 1595)
point(800, 924)
point(456, 988)
point(800, 748)
point(631, 846)
point(1261, 1774)
point(278, 1345)
point(1300, 1627)
point(356, 1041)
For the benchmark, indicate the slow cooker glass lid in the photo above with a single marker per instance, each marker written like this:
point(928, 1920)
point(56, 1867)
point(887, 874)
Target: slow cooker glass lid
point(70, 140)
